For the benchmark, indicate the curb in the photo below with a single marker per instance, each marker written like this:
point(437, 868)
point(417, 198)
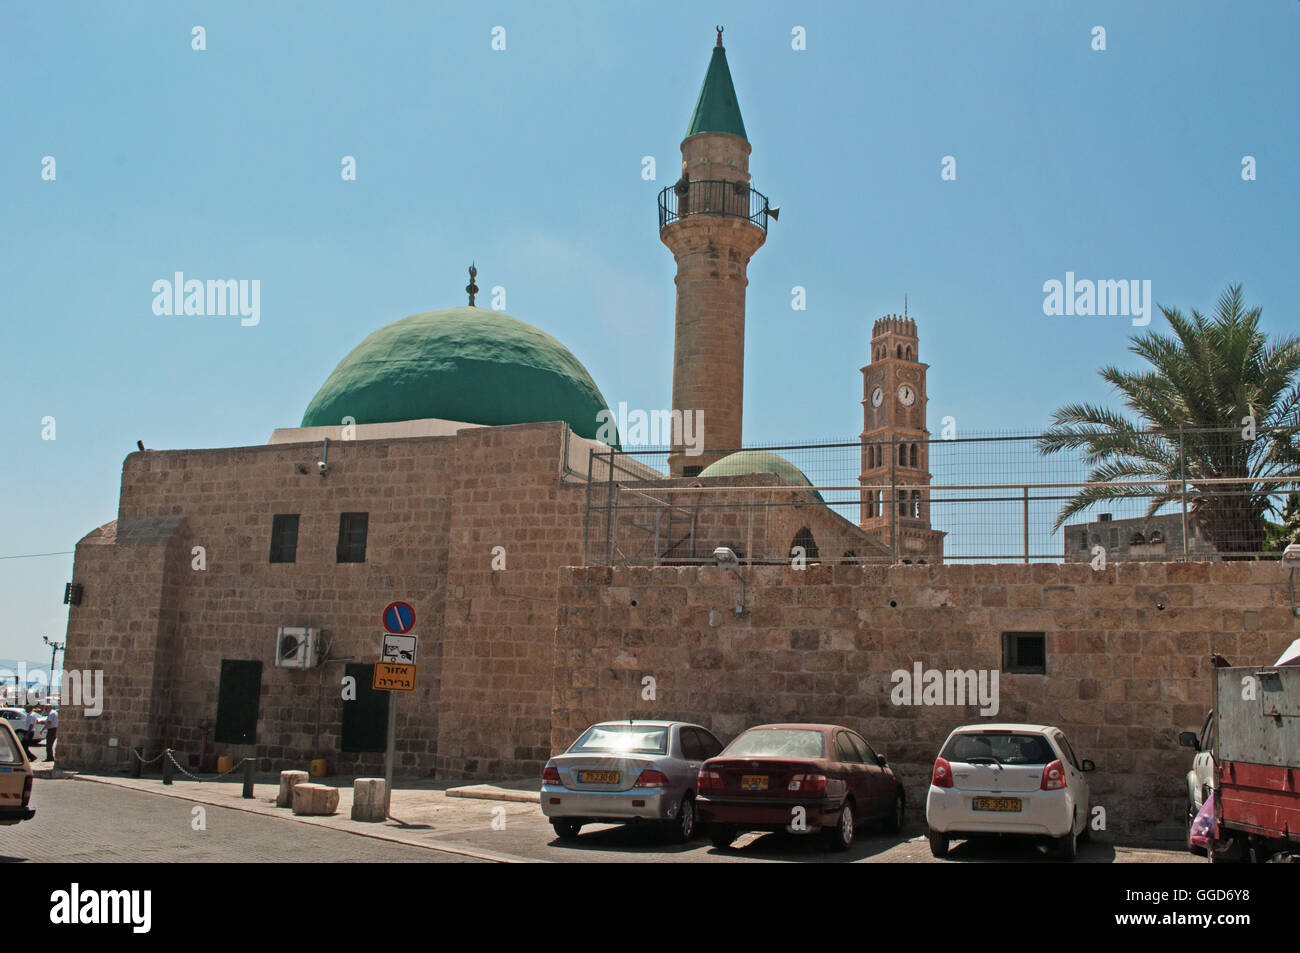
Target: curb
point(488, 792)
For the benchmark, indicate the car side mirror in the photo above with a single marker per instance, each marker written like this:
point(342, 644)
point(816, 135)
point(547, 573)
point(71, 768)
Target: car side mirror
point(1187, 739)
point(882, 761)
point(1087, 766)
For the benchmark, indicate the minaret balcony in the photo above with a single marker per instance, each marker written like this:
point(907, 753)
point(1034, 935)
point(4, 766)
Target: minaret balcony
point(713, 197)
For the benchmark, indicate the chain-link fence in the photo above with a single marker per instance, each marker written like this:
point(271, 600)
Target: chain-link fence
point(1010, 497)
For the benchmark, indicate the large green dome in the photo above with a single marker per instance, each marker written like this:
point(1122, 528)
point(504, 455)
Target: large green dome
point(466, 364)
point(744, 462)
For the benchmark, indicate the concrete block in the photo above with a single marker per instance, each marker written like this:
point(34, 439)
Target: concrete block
point(288, 781)
point(368, 799)
point(315, 798)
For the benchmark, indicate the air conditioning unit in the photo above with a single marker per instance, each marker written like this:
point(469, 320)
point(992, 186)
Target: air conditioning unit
point(297, 646)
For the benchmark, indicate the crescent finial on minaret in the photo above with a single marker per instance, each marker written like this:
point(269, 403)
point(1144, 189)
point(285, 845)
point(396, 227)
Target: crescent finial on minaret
point(472, 289)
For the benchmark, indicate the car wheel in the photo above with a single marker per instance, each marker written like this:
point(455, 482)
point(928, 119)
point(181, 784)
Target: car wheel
point(894, 823)
point(682, 830)
point(566, 829)
point(722, 835)
point(938, 844)
point(840, 837)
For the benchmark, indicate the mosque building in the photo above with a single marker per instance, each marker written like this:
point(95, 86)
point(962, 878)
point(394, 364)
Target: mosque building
point(447, 462)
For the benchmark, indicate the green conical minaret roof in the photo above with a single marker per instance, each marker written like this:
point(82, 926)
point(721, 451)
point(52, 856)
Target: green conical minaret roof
point(717, 109)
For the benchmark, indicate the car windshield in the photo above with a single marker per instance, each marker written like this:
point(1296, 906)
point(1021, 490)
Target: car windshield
point(778, 743)
point(642, 739)
point(1006, 747)
point(8, 753)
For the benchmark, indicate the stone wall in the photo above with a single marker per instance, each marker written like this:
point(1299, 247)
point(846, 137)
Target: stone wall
point(1123, 676)
point(150, 617)
point(498, 649)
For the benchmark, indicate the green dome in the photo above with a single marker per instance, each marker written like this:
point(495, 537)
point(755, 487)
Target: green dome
point(743, 462)
point(467, 364)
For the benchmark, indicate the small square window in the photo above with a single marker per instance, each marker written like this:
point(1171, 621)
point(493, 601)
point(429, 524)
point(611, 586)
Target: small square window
point(691, 471)
point(1024, 653)
point(352, 537)
point(284, 537)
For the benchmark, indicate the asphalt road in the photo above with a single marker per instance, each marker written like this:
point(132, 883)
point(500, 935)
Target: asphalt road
point(84, 821)
point(81, 822)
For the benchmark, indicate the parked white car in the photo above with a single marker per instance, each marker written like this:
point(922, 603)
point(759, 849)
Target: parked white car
point(1200, 779)
point(17, 718)
point(1008, 779)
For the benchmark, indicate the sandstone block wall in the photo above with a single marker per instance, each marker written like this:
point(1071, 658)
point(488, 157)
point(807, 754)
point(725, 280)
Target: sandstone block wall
point(1123, 676)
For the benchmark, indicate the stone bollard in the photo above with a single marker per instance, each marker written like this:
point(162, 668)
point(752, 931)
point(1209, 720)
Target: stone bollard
point(369, 801)
point(315, 798)
point(288, 780)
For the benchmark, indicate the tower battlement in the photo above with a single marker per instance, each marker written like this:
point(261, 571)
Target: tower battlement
point(894, 324)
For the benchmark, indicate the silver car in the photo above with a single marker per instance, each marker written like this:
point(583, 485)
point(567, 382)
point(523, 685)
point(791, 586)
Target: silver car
point(628, 771)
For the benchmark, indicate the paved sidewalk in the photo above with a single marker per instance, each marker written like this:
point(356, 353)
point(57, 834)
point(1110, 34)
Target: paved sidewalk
point(420, 813)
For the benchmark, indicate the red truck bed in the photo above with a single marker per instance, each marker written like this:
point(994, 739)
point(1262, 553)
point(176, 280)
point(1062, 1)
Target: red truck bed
point(1261, 798)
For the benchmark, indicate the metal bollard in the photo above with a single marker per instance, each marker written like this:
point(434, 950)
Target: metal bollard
point(138, 762)
point(169, 768)
point(249, 765)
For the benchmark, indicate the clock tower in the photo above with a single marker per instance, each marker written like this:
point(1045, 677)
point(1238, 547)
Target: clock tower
point(896, 444)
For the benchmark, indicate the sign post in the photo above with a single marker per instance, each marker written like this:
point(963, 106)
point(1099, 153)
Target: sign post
point(394, 672)
point(388, 758)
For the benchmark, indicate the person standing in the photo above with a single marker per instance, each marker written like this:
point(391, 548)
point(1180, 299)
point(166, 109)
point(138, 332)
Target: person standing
point(29, 725)
point(51, 731)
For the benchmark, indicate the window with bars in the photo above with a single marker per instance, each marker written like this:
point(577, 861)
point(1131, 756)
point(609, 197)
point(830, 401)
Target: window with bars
point(284, 538)
point(352, 537)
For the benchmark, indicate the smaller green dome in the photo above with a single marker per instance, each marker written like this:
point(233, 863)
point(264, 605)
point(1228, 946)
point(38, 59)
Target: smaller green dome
point(743, 462)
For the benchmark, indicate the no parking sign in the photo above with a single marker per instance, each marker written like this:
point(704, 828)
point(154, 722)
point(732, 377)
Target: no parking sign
point(399, 617)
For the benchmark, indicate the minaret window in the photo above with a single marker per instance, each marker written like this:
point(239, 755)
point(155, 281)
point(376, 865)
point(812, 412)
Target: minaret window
point(902, 454)
point(900, 350)
point(909, 352)
point(913, 455)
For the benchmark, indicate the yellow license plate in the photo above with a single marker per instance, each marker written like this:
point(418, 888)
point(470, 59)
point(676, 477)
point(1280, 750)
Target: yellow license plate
point(753, 782)
point(997, 804)
point(598, 777)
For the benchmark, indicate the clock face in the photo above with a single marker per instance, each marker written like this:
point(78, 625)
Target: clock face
point(906, 396)
point(877, 396)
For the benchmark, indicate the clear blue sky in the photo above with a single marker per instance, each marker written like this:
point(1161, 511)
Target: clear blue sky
point(225, 164)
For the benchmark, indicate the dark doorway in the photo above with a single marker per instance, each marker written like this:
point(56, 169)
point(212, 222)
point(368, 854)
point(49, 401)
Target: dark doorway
point(365, 720)
point(238, 697)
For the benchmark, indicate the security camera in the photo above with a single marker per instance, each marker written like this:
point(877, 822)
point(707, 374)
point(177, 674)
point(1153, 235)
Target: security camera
point(322, 467)
point(725, 557)
point(1291, 554)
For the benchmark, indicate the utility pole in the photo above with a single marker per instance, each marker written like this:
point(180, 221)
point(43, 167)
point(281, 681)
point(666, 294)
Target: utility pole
point(55, 648)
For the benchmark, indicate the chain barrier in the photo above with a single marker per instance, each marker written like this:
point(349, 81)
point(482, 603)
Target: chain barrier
point(142, 760)
point(221, 774)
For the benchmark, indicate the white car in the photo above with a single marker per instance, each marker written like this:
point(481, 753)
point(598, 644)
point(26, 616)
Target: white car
point(1008, 779)
point(1200, 779)
point(17, 718)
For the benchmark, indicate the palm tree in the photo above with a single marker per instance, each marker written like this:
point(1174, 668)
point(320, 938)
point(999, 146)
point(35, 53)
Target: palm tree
point(1204, 380)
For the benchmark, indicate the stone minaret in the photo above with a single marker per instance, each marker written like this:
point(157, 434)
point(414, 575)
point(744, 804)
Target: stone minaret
point(895, 442)
point(713, 223)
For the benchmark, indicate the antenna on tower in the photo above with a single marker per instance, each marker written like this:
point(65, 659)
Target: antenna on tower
point(905, 305)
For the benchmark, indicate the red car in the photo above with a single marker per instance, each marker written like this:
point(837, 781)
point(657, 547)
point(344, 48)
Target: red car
point(800, 779)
